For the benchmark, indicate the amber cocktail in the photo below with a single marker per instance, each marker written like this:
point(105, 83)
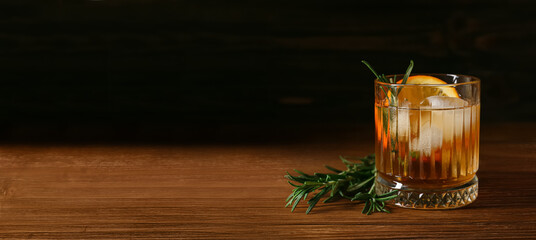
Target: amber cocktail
point(427, 140)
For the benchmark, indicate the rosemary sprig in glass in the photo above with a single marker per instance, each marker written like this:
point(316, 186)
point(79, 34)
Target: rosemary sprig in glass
point(392, 98)
point(394, 91)
point(356, 183)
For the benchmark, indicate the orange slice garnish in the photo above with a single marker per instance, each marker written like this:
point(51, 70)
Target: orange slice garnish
point(416, 95)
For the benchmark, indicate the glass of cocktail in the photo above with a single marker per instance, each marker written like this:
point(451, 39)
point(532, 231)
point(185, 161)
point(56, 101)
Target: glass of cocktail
point(427, 140)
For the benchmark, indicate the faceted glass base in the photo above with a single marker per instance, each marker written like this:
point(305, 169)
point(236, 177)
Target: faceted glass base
point(448, 198)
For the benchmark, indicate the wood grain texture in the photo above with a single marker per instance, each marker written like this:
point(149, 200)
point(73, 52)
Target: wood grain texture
point(237, 191)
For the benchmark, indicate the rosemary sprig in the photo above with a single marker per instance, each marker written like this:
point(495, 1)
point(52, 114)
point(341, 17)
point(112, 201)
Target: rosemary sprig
point(392, 98)
point(356, 183)
point(408, 72)
point(394, 91)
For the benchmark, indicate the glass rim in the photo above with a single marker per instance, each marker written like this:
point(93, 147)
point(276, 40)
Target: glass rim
point(474, 80)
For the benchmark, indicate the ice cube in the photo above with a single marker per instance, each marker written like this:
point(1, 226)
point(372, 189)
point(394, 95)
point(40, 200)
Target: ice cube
point(443, 102)
point(429, 132)
point(426, 126)
point(403, 118)
point(403, 122)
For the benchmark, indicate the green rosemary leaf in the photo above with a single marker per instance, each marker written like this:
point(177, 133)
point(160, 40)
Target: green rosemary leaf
point(297, 200)
point(408, 72)
point(336, 177)
point(345, 161)
point(336, 187)
point(294, 196)
point(313, 183)
point(312, 203)
point(333, 169)
point(371, 69)
point(292, 184)
point(317, 195)
point(291, 200)
point(353, 188)
point(361, 196)
point(303, 174)
point(371, 208)
point(321, 175)
point(384, 92)
point(292, 178)
point(386, 198)
point(377, 208)
point(366, 208)
point(289, 197)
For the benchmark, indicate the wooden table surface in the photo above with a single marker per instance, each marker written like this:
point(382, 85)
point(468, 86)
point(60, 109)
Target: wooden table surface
point(236, 190)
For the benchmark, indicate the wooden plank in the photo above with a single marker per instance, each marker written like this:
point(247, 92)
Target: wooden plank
point(237, 191)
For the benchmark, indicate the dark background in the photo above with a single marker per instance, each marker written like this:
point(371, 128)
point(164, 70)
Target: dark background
point(182, 70)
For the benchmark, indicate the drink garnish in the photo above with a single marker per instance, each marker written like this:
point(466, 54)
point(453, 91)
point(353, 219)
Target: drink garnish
point(391, 93)
point(356, 183)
